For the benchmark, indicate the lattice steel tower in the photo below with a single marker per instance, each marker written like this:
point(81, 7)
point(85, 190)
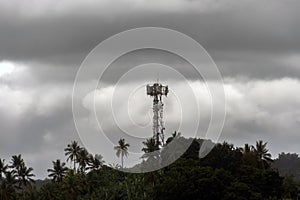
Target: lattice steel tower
point(156, 91)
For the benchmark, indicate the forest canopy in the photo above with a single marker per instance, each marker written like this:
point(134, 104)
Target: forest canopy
point(226, 172)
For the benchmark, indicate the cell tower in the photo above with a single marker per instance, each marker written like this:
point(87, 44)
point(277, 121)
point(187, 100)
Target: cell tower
point(156, 91)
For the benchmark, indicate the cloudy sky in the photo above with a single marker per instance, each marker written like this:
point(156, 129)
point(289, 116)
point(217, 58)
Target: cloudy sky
point(254, 43)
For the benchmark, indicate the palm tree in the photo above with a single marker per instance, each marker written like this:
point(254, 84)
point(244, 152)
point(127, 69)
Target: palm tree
point(83, 159)
point(21, 172)
point(174, 135)
point(95, 162)
point(262, 154)
point(16, 163)
point(3, 167)
point(249, 155)
point(247, 149)
point(7, 190)
point(150, 148)
point(25, 176)
point(122, 149)
point(74, 185)
point(58, 172)
point(114, 166)
point(72, 151)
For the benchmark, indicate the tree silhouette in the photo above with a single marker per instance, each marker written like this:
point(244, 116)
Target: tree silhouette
point(262, 154)
point(95, 162)
point(222, 174)
point(21, 171)
point(224, 156)
point(122, 149)
point(83, 159)
point(288, 164)
point(174, 135)
point(72, 151)
point(249, 156)
point(18, 169)
point(16, 164)
point(25, 176)
point(3, 168)
point(7, 190)
point(247, 149)
point(150, 149)
point(58, 172)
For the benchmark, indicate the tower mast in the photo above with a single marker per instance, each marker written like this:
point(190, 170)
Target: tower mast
point(156, 91)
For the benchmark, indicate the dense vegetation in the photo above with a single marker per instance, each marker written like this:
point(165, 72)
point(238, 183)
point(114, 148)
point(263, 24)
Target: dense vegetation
point(227, 173)
point(288, 164)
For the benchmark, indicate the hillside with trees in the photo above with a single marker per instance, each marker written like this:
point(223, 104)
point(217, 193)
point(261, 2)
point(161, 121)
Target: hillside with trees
point(226, 173)
point(288, 164)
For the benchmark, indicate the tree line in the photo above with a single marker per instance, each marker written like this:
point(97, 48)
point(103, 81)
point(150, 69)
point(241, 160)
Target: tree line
point(226, 172)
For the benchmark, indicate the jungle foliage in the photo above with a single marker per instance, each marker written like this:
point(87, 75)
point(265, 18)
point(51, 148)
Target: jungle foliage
point(226, 173)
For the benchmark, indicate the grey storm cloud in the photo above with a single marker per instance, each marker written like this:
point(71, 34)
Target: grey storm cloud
point(233, 32)
point(234, 25)
point(255, 45)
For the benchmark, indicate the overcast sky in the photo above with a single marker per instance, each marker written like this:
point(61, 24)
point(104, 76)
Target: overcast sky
point(255, 44)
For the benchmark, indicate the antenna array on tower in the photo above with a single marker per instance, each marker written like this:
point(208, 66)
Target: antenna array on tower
point(156, 91)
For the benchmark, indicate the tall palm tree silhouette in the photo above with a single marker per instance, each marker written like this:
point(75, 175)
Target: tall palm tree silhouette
point(16, 163)
point(59, 171)
point(83, 159)
point(262, 153)
point(72, 151)
point(122, 149)
point(25, 176)
point(21, 171)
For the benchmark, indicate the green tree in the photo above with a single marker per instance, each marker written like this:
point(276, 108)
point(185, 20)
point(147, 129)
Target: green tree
point(291, 187)
point(240, 191)
point(58, 172)
point(74, 185)
point(51, 191)
point(224, 156)
point(30, 194)
point(72, 151)
point(122, 150)
point(185, 181)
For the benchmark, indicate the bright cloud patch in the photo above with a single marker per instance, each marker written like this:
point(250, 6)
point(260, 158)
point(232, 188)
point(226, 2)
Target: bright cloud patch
point(6, 67)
